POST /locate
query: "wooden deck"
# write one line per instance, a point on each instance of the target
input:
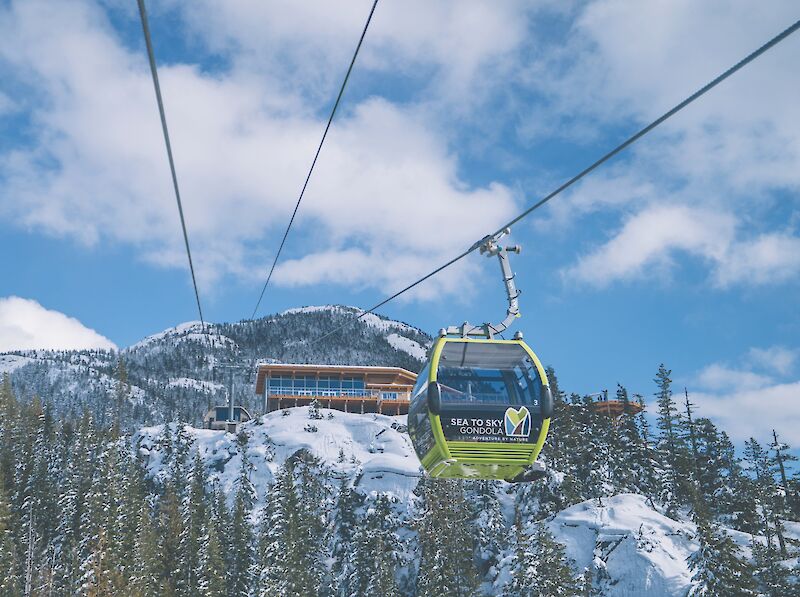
(615, 408)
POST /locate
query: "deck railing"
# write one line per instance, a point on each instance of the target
(367, 394)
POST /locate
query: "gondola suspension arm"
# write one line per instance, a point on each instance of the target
(490, 246)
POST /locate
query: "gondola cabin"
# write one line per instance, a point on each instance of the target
(480, 409)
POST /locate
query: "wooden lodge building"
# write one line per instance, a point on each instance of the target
(355, 389)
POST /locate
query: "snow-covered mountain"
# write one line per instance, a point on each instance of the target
(629, 547)
(176, 373)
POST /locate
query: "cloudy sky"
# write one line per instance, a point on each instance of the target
(685, 250)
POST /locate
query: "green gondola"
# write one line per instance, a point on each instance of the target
(481, 410)
(481, 406)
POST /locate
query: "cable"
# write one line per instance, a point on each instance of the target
(154, 71)
(746, 60)
(316, 155)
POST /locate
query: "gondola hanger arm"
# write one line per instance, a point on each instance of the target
(490, 246)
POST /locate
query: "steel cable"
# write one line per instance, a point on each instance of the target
(629, 141)
(165, 130)
(316, 155)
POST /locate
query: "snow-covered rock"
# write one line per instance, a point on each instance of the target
(373, 448)
(634, 550)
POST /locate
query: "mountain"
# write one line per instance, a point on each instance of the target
(176, 374)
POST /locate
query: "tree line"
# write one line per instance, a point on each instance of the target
(84, 512)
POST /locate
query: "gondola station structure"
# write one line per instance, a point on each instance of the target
(354, 389)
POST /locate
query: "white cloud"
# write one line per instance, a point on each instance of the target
(25, 324)
(387, 183)
(750, 404)
(755, 412)
(775, 358)
(723, 378)
(646, 241)
(449, 44)
(726, 154)
(770, 258)
(388, 195)
(6, 104)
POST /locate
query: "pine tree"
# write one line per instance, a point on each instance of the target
(782, 495)
(241, 557)
(147, 566)
(272, 538)
(648, 466)
(313, 410)
(291, 538)
(539, 566)
(765, 492)
(195, 515)
(736, 498)
(75, 527)
(772, 577)
(213, 557)
(489, 528)
(9, 412)
(380, 527)
(719, 568)
(9, 564)
(170, 530)
(563, 450)
(445, 541)
(669, 447)
(132, 502)
(344, 529)
(122, 391)
(103, 574)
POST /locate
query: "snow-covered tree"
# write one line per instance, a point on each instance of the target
(242, 541)
(669, 447)
(9, 564)
(538, 565)
(719, 569)
(445, 541)
(489, 528)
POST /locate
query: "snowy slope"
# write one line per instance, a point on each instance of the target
(632, 549)
(375, 448)
(10, 362)
(407, 345)
(635, 551)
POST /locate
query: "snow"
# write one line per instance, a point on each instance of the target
(196, 384)
(639, 551)
(370, 319)
(632, 549)
(407, 345)
(181, 328)
(187, 331)
(384, 457)
(314, 309)
(11, 362)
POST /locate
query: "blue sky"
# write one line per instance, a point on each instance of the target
(685, 250)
